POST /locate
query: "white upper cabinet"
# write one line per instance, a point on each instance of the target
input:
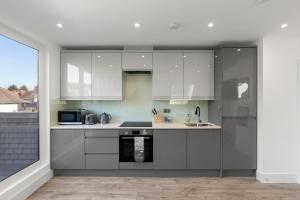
(199, 75)
(106, 76)
(175, 74)
(167, 77)
(75, 75)
(133, 61)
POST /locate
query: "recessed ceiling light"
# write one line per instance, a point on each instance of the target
(284, 26)
(238, 50)
(210, 25)
(175, 25)
(260, 1)
(137, 25)
(98, 56)
(59, 25)
(143, 56)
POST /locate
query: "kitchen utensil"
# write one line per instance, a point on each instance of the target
(168, 119)
(153, 112)
(157, 119)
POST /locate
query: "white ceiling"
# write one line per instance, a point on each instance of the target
(110, 22)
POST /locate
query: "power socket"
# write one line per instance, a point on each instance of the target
(167, 110)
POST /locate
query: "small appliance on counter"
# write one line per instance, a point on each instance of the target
(105, 118)
(69, 117)
(91, 119)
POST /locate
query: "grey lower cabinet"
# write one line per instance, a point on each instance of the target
(101, 149)
(173, 149)
(67, 149)
(239, 144)
(169, 149)
(204, 149)
(101, 145)
(102, 161)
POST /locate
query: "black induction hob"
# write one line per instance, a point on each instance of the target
(136, 124)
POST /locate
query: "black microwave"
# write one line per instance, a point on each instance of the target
(66, 117)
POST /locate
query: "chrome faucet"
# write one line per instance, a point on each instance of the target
(198, 112)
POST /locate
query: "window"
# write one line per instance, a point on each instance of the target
(19, 118)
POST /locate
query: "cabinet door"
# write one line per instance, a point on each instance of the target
(102, 161)
(204, 149)
(67, 149)
(137, 61)
(239, 143)
(101, 145)
(239, 82)
(75, 75)
(169, 149)
(199, 75)
(215, 107)
(167, 75)
(106, 76)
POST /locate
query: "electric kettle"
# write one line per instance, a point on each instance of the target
(105, 118)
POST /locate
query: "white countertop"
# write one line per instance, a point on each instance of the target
(116, 125)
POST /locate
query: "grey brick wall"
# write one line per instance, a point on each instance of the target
(19, 138)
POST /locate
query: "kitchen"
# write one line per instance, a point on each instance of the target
(187, 107)
(182, 85)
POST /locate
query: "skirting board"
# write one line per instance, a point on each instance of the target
(277, 177)
(139, 173)
(28, 185)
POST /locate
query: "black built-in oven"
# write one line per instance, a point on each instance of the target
(127, 145)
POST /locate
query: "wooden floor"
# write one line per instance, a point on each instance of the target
(123, 188)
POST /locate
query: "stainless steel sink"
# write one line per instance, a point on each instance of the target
(192, 124)
(204, 124)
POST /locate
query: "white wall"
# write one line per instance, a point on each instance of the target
(298, 118)
(22, 184)
(278, 136)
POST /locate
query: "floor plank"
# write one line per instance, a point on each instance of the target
(143, 188)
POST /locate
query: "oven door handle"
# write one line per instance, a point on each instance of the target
(126, 138)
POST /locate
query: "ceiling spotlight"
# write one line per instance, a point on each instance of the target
(175, 25)
(260, 1)
(143, 56)
(137, 25)
(59, 25)
(210, 25)
(284, 25)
